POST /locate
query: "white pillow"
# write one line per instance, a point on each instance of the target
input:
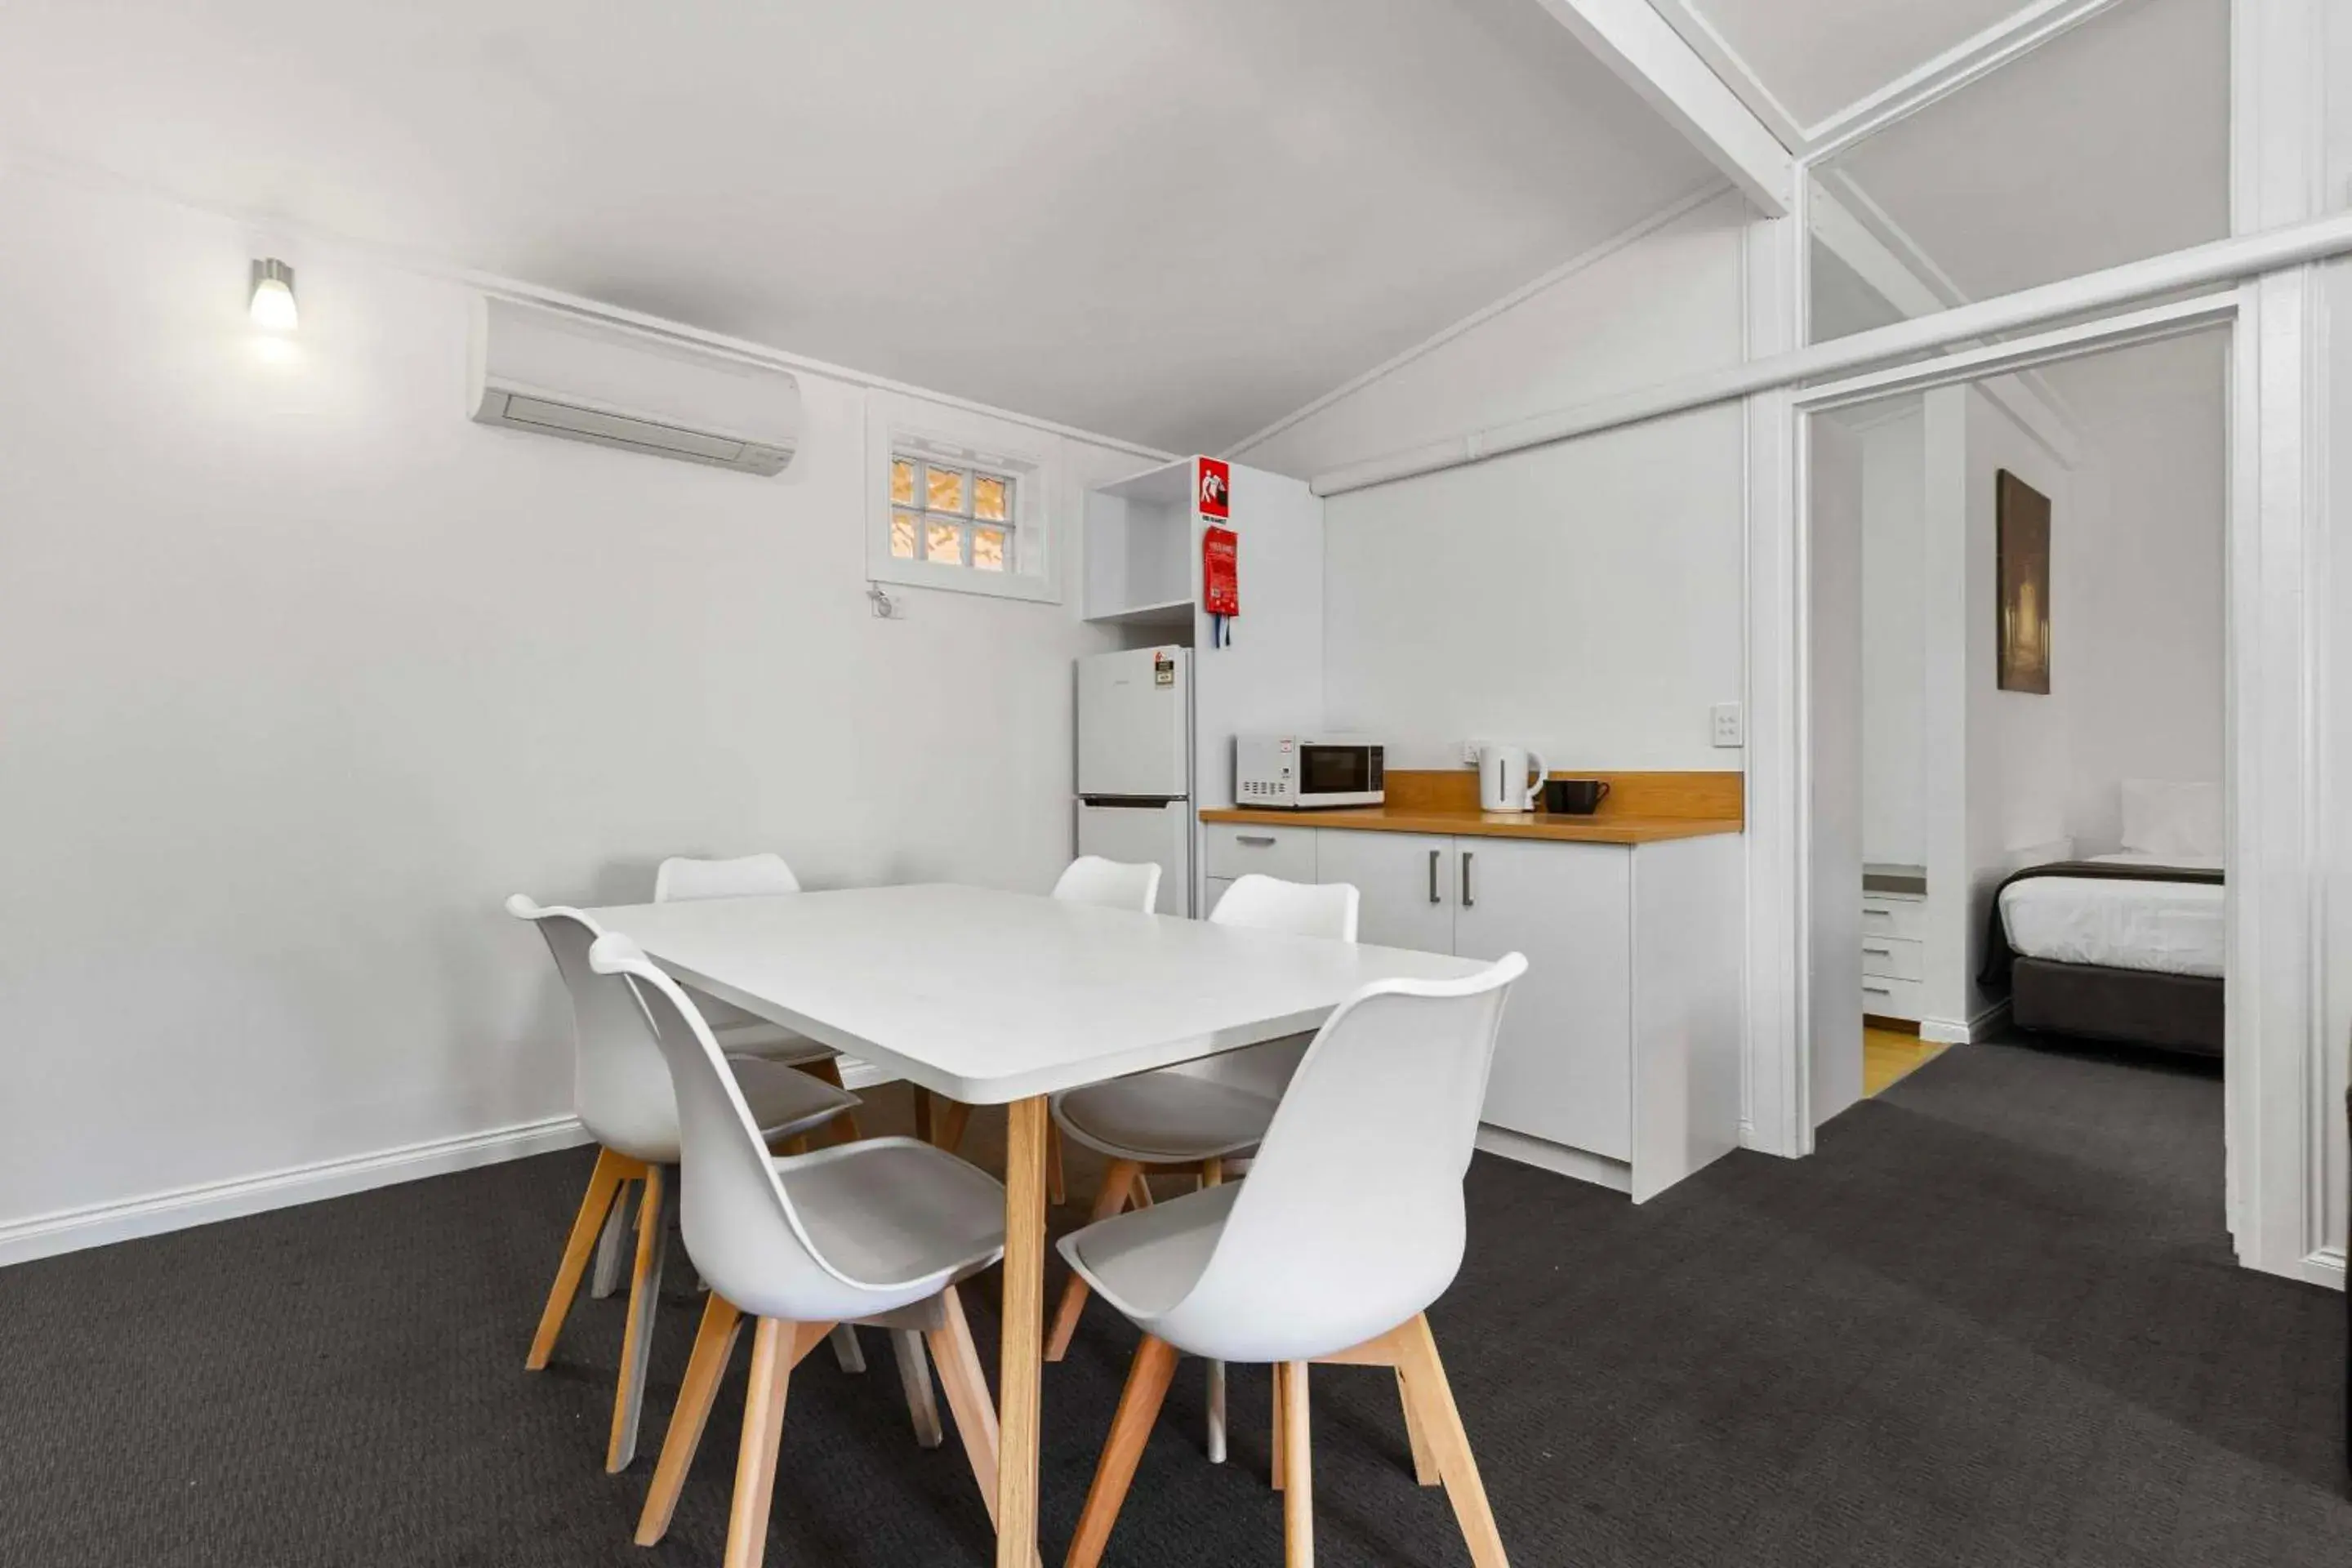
(2174, 820)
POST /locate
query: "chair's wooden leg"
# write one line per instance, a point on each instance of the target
(1139, 1189)
(847, 1351)
(927, 1116)
(845, 1126)
(1212, 1173)
(951, 1125)
(1440, 1422)
(915, 1377)
(613, 1247)
(968, 1397)
(1297, 1472)
(1018, 1381)
(1117, 1183)
(763, 1430)
(603, 1186)
(1424, 1457)
(1055, 1192)
(1130, 1429)
(714, 1342)
(637, 1340)
(1281, 1377)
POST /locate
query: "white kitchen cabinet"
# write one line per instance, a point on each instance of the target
(1563, 1063)
(1619, 1056)
(1405, 881)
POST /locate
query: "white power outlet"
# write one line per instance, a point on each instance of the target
(1730, 728)
(1469, 753)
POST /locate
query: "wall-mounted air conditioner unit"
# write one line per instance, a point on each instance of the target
(559, 374)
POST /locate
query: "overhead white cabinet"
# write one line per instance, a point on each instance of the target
(1618, 1056)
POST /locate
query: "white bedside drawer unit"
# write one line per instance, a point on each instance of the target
(1893, 958)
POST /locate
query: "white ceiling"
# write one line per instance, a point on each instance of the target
(1171, 220)
(2108, 144)
(1817, 57)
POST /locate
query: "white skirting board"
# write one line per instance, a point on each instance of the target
(1944, 1032)
(178, 1208)
(2325, 1267)
(70, 1230)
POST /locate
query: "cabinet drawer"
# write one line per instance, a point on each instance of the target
(1893, 958)
(1883, 915)
(1891, 998)
(1235, 849)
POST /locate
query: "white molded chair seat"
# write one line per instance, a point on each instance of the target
(897, 1215)
(1164, 1117)
(1146, 1262)
(783, 1100)
(743, 877)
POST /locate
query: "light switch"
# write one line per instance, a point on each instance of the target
(1730, 728)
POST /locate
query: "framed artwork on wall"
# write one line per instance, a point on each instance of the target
(2021, 555)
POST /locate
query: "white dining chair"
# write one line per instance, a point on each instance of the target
(679, 879)
(1196, 1115)
(877, 1231)
(1350, 1224)
(622, 1093)
(1089, 879)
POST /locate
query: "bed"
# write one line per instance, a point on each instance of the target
(2128, 946)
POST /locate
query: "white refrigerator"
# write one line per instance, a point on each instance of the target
(1134, 765)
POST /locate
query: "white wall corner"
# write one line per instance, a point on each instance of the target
(2278, 1046)
(1774, 1114)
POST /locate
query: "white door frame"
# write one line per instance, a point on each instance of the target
(2274, 1052)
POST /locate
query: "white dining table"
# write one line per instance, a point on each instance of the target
(997, 998)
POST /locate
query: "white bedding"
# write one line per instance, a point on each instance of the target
(2173, 928)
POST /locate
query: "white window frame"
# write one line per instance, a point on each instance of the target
(903, 427)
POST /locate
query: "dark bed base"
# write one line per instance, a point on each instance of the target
(2177, 1012)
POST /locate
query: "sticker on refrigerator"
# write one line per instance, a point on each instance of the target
(1164, 669)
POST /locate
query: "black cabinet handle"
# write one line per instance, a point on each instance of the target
(1466, 899)
(1433, 876)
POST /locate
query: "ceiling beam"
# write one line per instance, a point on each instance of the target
(1633, 40)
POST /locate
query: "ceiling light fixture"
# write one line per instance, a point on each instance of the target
(273, 296)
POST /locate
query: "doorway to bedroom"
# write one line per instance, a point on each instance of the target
(2017, 669)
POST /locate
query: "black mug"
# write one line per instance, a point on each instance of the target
(1574, 797)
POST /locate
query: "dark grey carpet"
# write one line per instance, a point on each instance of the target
(1995, 1322)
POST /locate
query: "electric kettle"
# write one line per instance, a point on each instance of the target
(1509, 778)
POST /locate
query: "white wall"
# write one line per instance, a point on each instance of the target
(301, 673)
(1585, 597)
(1893, 648)
(2336, 974)
(1837, 553)
(2136, 663)
(2142, 680)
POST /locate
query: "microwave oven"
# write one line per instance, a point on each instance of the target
(1305, 772)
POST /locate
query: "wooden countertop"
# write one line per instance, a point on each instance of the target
(1639, 808)
(1475, 823)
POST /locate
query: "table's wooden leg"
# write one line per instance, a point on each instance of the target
(1024, 1313)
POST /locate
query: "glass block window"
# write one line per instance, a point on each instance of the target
(952, 515)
